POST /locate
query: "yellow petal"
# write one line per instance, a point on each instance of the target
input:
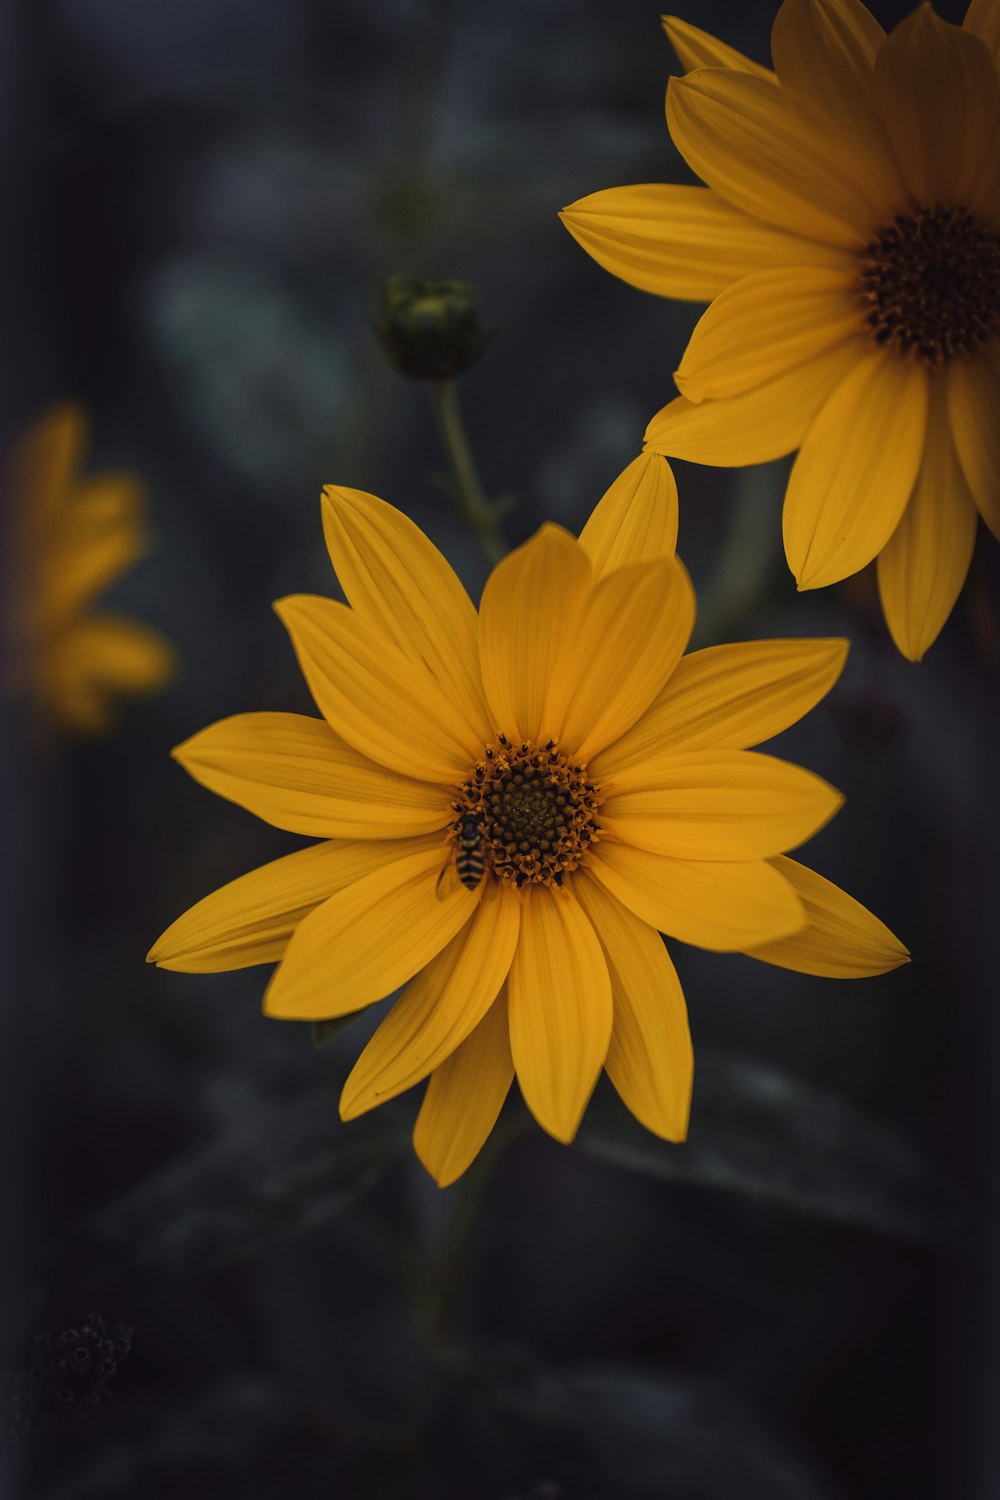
(250, 920)
(117, 653)
(753, 145)
(531, 605)
(973, 403)
(936, 87)
(44, 465)
(560, 1010)
(377, 699)
(464, 1098)
(767, 324)
(679, 241)
(824, 52)
(649, 1061)
(698, 49)
(760, 424)
(726, 804)
(636, 519)
(636, 625)
(856, 470)
(842, 940)
(983, 19)
(399, 583)
(366, 940)
(728, 698)
(298, 774)
(99, 657)
(922, 567)
(99, 536)
(440, 1007)
(712, 904)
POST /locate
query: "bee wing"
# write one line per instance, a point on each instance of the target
(448, 881)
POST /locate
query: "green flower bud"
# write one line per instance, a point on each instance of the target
(431, 330)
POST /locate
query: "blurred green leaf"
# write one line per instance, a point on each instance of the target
(288, 1167)
(759, 1131)
(661, 1436)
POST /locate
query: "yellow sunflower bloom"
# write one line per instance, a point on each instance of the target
(849, 242)
(513, 805)
(70, 538)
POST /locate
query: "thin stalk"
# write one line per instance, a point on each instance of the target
(482, 515)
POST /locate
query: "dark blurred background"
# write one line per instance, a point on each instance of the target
(201, 200)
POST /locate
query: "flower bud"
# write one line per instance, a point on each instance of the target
(431, 330)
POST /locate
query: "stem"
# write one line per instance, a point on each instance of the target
(480, 513)
(743, 570)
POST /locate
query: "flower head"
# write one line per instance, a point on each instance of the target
(849, 242)
(514, 804)
(70, 539)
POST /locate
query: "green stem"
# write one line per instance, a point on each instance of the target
(480, 513)
(744, 566)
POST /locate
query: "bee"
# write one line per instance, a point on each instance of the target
(469, 865)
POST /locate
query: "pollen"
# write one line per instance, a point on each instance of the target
(930, 285)
(537, 811)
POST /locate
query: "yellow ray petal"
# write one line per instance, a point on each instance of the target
(973, 403)
(464, 1098)
(368, 939)
(760, 424)
(698, 49)
(726, 804)
(44, 465)
(531, 605)
(397, 580)
(377, 699)
(728, 698)
(99, 536)
(767, 324)
(824, 52)
(100, 657)
(679, 241)
(936, 87)
(649, 1061)
(636, 518)
(298, 774)
(983, 19)
(636, 625)
(250, 920)
(856, 471)
(712, 904)
(753, 145)
(922, 567)
(842, 941)
(440, 1007)
(560, 1010)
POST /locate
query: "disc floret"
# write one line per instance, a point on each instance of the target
(930, 284)
(537, 811)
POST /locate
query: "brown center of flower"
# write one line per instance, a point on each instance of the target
(930, 284)
(535, 810)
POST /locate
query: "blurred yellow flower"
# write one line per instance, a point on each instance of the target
(850, 238)
(514, 804)
(70, 538)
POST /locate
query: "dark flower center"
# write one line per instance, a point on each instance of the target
(536, 811)
(930, 284)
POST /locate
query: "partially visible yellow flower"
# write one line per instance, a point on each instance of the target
(556, 752)
(70, 538)
(850, 238)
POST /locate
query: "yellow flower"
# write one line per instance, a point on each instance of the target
(558, 739)
(69, 540)
(850, 238)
